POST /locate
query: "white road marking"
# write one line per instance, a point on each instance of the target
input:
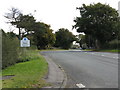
(102, 55)
(115, 57)
(80, 85)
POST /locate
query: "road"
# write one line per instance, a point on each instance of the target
(91, 69)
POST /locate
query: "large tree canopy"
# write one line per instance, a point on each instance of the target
(64, 38)
(26, 23)
(40, 33)
(43, 36)
(98, 20)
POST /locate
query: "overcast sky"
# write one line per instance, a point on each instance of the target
(57, 13)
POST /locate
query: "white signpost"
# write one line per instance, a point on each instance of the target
(25, 42)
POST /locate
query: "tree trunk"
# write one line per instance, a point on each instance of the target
(19, 34)
(97, 44)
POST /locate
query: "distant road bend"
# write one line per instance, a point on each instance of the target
(91, 69)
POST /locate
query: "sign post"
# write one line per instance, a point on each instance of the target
(24, 43)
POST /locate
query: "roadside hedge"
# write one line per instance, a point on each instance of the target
(10, 49)
(114, 44)
(12, 53)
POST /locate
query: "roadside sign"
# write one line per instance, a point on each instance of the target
(25, 42)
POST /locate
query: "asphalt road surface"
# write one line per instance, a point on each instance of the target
(91, 69)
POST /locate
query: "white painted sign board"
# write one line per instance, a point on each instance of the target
(25, 42)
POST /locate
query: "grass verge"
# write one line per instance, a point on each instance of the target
(52, 49)
(104, 50)
(27, 74)
(109, 50)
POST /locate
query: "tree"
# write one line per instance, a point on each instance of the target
(64, 38)
(99, 21)
(40, 33)
(25, 22)
(85, 40)
(43, 36)
(13, 16)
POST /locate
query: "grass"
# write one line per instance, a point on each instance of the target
(0, 80)
(27, 74)
(108, 50)
(88, 50)
(104, 50)
(52, 49)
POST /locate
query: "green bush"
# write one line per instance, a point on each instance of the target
(114, 44)
(12, 53)
(10, 49)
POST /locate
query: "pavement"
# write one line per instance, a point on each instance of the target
(56, 75)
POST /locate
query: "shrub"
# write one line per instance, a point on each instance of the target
(10, 49)
(114, 44)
